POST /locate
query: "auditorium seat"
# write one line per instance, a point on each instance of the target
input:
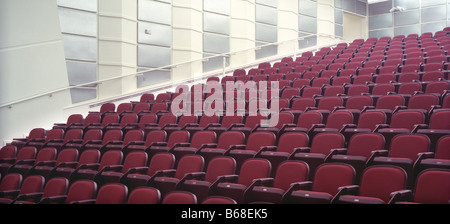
(200, 139)
(27, 158)
(112, 193)
(431, 187)
(404, 151)
(329, 177)
(46, 168)
(139, 176)
(144, 195)
(199, 182)
(167, 180)
(36, 134)
(51, 135)
(54, 187)
(176, 138)
(113, 173)
(439, 158)
(179, 197)
(31, 184)
(287, 144)
(79, 191)
(89, 171)
(66, 169)
(234, 186)
(321, 147)
(255, 142)
(225, 143)
(376, 186)
(271, 190)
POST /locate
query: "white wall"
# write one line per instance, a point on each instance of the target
(31, 62)
(355, 27)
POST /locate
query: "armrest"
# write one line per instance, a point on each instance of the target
(90, 201)
(170, 126)
(290, 126)
(380, 126)
(299, 150)
(190, 125)
(46, 163)
(159, 144)
(8, 160)
(20, 139)
(233, 147)
(266, 148)
(419, 126)
(421, 156)
(68, 164)
(209, 145)
(12, 193)
(237, 125)
(401, 195)
(258, 182)
(93, 166)
(345, 126)
(140, 170)
(136, 143)
(58, 199)
(162, 173)
(335, 152)
(213, 125)
(190, 176)
(365, 108)
(221, 179)
(115, 168)
(310, 108)
(97, 142)
(304, 185)
(317, 126)
(34, 196)
(25, 162)
(345, 190)
(376, 153)
(55, 141)
(338, 108)
(397, 108)
(74, 141)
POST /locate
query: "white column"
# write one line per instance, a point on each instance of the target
(325, 22)
(32, 63)
(117, 41)
(187, 41)
(287, 26)
(242, 31)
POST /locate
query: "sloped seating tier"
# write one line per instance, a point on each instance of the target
(356, 110)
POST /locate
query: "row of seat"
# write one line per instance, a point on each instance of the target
(144, 144)
(14, 189)
(316, 146)
(332, 183)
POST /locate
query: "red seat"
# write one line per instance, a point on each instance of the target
(139, 176)
(329, 177)
(199, 182)
(271, 190)
(31, 184)
(167, 180)
(321, 146)
(179, 197)
(376, 186)
(144, 195)
(431, 188)
(57, 186)
(234, 186)
(80, 190)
